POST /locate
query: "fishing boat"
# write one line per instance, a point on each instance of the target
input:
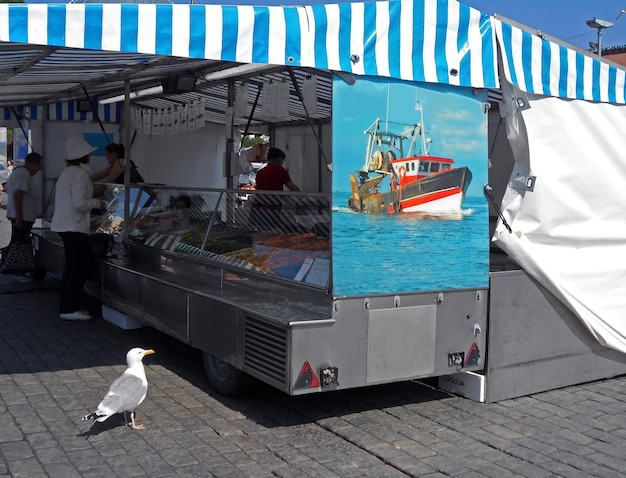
(399, 175)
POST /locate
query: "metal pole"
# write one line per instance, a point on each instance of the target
(126, 142)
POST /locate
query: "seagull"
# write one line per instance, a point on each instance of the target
(126, 392)
(621, 13)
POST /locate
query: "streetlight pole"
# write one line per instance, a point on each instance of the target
(599, 25)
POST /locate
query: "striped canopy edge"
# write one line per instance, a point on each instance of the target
(111, 113)
(540, 66)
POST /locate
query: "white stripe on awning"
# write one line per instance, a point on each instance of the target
(536, 65)
(437, 41)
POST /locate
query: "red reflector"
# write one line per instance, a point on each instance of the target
(307, 377)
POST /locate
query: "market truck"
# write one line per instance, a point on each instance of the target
(461, 180)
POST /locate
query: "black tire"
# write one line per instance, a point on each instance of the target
(225, 378)
(39, 274)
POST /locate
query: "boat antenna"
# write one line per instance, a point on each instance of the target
(387, 112)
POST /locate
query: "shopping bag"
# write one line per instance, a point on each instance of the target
(18, 257)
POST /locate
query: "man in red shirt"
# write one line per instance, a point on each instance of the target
(266, 207)
(273, 176)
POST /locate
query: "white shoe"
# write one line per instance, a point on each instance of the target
(78, 315)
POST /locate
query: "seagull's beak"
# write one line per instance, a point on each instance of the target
(149, 352)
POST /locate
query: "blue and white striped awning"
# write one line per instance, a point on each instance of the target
(437, 41)
(111, 113)
(536, 65)
(425, 40)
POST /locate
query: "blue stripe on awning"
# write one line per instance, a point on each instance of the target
(93, 17)
(394, 39)
(418, 42)
(230, 29)
(369, 39)
(345, 18)
(461, 41)
(320, 52)
(563, 72)
(489, 51)
(441, 32)
(130, 18)
(545, 67)
(261, 34)
(164, 38)
(197, 31)
(580, 75)
(293, 46)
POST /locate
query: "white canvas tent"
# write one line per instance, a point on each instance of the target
(564, 108)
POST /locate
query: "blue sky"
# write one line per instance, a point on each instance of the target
(564, 19)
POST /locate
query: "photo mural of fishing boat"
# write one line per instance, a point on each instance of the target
(410, 161)
(417, 182)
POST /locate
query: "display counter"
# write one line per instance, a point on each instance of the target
(278, 235)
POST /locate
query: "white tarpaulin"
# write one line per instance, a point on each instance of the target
(566, 204)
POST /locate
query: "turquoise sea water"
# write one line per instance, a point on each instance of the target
(409, 252)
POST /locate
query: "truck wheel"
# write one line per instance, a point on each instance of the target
(39, 274)
(225, 378)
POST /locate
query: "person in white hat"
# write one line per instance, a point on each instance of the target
(72, 207)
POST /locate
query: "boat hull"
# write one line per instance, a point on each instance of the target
(437, 194)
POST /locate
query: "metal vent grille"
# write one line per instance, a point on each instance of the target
(265, 351)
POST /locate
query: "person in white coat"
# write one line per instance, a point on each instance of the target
(72, 207)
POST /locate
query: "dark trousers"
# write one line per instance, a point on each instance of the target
(77, 263)
(22, 234)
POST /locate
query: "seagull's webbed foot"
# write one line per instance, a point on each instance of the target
(132, 423)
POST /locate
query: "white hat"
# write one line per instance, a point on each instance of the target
(76, 147)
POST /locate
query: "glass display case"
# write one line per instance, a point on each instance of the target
(279, 234)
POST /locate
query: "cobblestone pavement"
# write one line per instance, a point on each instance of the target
(53, 372)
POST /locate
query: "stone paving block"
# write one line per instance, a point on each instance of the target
(103, 472)
(562, 469)
(61, 470)
(222, 446)
(565, 444)
(576, 461)
(411, 465)
(289, 454)
(177, 457)
(86, 458)
(528, 455)
(537, 445)
(603, 472)
(384, 451)
(28, 467)
(125, 466)
(422, 437)
(445, 465)
(195, 471)
(154, 465)
(413, 448)
(17, 450)
(9, 431)
(314, 469)
(360, 438)
(502, 431)
(51, 455)
(608, 457)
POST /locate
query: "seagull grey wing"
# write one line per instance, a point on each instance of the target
(124, 395)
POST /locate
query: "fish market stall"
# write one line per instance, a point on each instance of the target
(430, 238)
